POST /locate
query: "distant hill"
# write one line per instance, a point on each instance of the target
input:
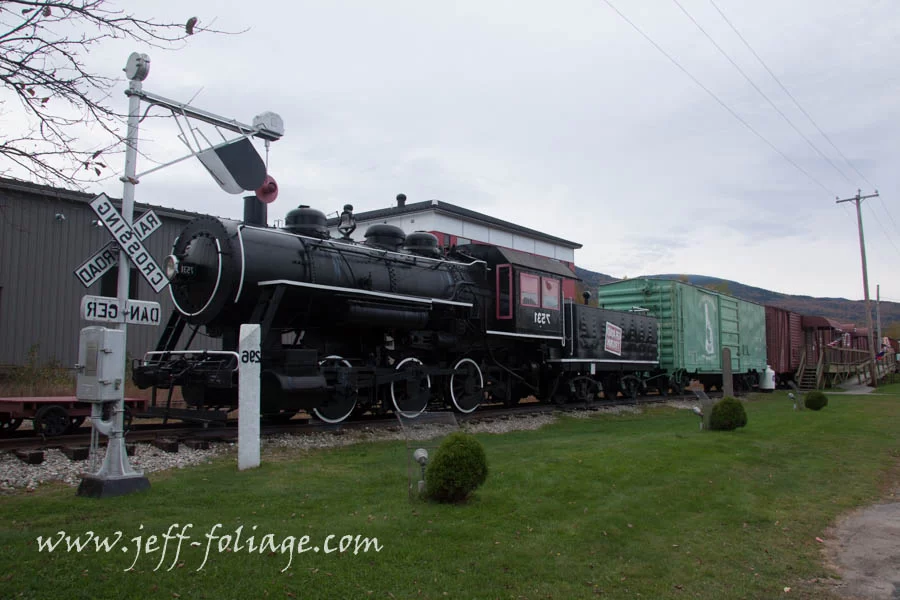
(841, 309)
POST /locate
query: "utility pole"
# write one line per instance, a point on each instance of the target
(862, 250)
(878, 312)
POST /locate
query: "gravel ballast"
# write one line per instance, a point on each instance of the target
(15, 475)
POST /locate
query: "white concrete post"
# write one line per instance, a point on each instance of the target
(248, 397)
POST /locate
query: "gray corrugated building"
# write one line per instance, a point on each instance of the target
(45, 234)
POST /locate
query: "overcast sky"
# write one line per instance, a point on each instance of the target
(563, 118)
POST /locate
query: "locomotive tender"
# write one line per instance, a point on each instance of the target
(390, 324)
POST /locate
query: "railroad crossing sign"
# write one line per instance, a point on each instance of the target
(129, 240)
(108, 256)
(136, 312)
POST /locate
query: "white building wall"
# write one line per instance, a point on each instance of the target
(545, 249)
(451, 225)
(448, 224)
(523, 243)
(474, 231)
(501, 238)
(566, 254)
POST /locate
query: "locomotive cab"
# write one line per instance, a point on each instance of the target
(527, 293)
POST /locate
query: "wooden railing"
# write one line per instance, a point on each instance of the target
(836, 365)
(820, 367)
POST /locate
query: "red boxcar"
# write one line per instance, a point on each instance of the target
(784, 341)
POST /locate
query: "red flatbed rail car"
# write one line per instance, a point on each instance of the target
(52, 415)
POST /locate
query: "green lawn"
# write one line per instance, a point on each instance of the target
(616, 506)
(888, 388)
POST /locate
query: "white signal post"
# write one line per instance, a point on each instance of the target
(248, 396)
(116, 476)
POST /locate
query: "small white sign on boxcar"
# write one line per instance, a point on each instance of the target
(613, 342)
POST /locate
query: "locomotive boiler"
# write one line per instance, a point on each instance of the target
(345, 325)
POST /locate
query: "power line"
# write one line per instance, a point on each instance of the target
(791, 96)
(761, 93)
(884, 230)
(716, 98)
(865, 273)
(796, 103)
(884, 206)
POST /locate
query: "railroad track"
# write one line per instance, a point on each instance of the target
(25, 440)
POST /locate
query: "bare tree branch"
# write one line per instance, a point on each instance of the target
(42, 67)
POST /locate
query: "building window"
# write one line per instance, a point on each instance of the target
(529, 290)
(550, 293)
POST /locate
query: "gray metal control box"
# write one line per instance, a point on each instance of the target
(101, 364)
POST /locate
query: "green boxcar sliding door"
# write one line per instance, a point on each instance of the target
(701, 342)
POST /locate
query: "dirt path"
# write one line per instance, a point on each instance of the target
(864, 547)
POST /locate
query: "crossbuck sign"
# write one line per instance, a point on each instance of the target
(107, 257)
(129, 240)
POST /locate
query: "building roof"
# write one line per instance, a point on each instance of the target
(456, 211)
(26, 187)
(815, 322)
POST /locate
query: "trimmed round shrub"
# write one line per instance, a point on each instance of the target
(727, 414)
(458, 467)
(816, 400)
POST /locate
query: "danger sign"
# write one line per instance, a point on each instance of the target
(136, 312)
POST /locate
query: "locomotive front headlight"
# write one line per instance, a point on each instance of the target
(170, 267)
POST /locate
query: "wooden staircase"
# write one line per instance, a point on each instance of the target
(812, 377)
(806, 380)
(809, 376)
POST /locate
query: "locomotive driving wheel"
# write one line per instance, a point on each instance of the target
(467, 388)
(342, 401)
(410, 396)
(583, 389)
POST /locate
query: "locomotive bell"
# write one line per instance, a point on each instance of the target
(307, 221)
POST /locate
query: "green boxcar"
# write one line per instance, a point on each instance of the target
(695, 324)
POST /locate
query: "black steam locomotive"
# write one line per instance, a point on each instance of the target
(394, 323)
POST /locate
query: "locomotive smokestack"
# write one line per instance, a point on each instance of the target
(586, 295)
(401, 200)
(255, 212)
